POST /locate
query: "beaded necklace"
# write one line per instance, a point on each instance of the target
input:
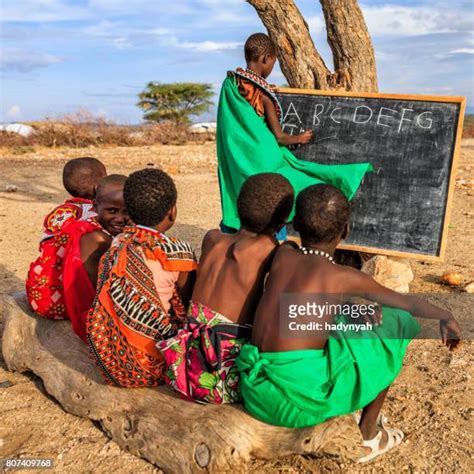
(306, 251)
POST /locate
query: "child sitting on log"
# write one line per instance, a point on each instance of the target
(250, 139)
(200, 359)
(298, 376)
(144, 285)
(44, 286)
(84, 244)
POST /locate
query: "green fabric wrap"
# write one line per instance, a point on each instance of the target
(246, 146)
(306, 387)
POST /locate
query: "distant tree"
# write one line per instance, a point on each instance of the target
(174, 102)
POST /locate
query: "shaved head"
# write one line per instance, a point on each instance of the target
(81, 176)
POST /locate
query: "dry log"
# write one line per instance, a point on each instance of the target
(155, 424)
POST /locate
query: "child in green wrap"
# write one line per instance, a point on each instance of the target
(303, 378)
(250, 139)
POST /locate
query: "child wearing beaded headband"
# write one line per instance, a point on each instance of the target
(302, 377)
(250, 139)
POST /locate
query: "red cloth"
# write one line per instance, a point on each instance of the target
(79, 292)
(44, 285)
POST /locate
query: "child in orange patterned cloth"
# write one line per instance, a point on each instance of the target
(44, 286)
(144, 286)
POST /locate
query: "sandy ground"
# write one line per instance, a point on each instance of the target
(431, 401)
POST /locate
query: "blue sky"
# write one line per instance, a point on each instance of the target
(59, 56)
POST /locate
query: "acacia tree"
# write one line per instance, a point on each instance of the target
(174, 102)
(300, 62)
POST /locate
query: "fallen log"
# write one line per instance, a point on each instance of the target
(155, 424)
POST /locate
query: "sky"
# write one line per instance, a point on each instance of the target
(61, 56)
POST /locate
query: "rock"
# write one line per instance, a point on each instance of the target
(5, 384)
(469, 287)
(11, 188)
(394, 273)
(155, 424)
(452, 279)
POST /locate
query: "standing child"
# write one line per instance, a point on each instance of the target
(144, 286)
(44, 286)
(85, 243)
(305, 378)
(250, 139)
(200, 359)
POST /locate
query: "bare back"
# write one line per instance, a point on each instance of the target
(293, 272)
(231, 273)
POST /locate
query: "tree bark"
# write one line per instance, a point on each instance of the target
(300, 62)
(352, 50)
(173, 434)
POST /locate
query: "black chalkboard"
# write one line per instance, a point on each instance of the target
(402, 208)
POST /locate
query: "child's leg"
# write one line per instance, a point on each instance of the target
(370, 413)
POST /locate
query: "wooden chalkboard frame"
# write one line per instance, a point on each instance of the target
(453, 171)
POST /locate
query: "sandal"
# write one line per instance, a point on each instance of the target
(395, 437)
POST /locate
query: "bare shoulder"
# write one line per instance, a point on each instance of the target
(95, 238)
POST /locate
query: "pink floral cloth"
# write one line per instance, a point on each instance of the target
(200, 358)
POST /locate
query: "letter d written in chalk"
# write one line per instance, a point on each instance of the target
(365, 120)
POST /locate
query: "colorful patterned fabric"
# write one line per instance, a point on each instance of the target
(200, 358)
(128, 317)
(44, 284)
(252, 87)
(77, 209)
(79, 291)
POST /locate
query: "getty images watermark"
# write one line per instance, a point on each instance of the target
(319, 315)
(306, 315)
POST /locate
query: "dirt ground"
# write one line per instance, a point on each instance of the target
(431, 401)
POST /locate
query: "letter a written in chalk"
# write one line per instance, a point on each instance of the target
(291, 112)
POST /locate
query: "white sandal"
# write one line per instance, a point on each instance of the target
(381, 419)
(395, 437)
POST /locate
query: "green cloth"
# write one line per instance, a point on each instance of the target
(305, 387)
(246, 146)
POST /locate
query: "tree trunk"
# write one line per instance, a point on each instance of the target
(352, 50)
(300, 62)
(173, 434)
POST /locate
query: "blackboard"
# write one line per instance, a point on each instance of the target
(402, 208)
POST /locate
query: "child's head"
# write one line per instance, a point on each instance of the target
(322, 214)
(110, 205)
(150, 196)
(265, 202)
(81, 176)
(260, 53)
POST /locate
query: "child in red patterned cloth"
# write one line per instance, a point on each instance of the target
(86, 242)
(232, 269)
(44, 286)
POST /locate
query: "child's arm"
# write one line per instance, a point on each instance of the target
(93, 246)
(363, 285)
(185, 285)
(274, 124)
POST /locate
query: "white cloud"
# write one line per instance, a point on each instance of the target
(14, 112)
(205, 46)
(22, 60)
(398, 20)
(462, 51)
(121, 36)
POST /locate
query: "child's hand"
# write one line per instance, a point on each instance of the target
(306, 137)
(450, 333)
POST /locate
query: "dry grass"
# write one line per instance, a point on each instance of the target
(468, 128)
(82, 130)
